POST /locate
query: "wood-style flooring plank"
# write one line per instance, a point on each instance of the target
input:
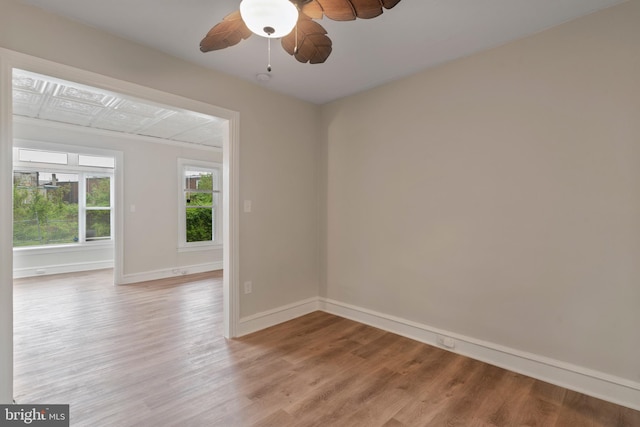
(152, 354)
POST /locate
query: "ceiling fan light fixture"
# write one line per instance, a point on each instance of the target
(269, 18)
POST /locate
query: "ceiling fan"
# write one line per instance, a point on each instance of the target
(293, 22)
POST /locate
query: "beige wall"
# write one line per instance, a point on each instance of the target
(498, 196)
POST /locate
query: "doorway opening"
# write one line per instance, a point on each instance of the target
(128, 202)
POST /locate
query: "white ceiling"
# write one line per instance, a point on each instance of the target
(414, 35)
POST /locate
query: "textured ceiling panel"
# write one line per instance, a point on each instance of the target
(27, 95)
(200, 135)
(142, 109)
(45, 98)
(126, 122)
(176, 123)
(82, 96)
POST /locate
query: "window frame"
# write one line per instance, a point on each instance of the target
(217, 224)
(72, 167)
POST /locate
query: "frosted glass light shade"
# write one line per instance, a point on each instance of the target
(269, 18)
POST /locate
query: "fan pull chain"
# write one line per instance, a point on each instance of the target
(268, 31)
(269, 54)
(295, 49)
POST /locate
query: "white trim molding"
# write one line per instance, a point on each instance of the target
(593, 383)
(20, 273)
(231, 230)
(145, 276)
(6, 233)
(266, 319)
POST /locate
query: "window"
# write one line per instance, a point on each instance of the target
(200, 196)
(59, 204)
(97, 207)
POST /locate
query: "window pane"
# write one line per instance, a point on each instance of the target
(97, 161)
(199, 180)
(45, 208)
(199, 225)
(198, 199)
(25, 180)
(98, 225)
(42, 156)
(98, 191)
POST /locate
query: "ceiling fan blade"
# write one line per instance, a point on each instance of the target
(388, 4)
(312, 9)
(314, 46)
(338, 10)
(367, 9)
(231, 31)
(348, 10)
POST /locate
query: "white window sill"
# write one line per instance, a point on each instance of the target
(71, 247)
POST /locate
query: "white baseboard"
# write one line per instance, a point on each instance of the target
(128, 279)
(19, 273)
(593, 383)
(265, 319)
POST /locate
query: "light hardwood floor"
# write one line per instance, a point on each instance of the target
(152, 354)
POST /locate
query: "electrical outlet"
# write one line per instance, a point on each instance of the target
(446, 342)
(248, 287)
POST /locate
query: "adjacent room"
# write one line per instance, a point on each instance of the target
(434, 222)
(90, 163)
